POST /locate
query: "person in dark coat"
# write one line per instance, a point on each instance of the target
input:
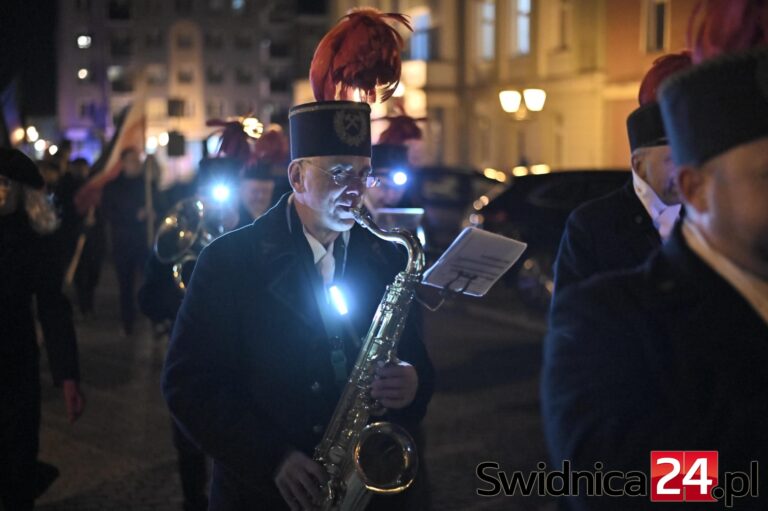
(672, 355)
(626, 226)
(25, 217)
(255, 191)
(124, 206)
(249, 373)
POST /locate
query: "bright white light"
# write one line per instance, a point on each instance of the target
(540, 169)
(162, 139)
(151, 145)
(18, 135)
(252, 127)
(510, 100)
(83, 41)
(399, 91)
(399, 178)
(82, 73)
(53, 149)
(534, 99)
(338, 300)
(520, 171)
(32, 134)
(40, 145)
(490, 173)
(421, 235)
(221, 193)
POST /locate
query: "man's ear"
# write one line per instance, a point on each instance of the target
(295, 177)
(692, 182)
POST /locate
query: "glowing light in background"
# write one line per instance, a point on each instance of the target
(540, 169)
(221, 193)
(337, 298)
(40, 145)
(534, 99)
(510, 100)
(83, 41)
(162, 139)
(520, 171)
(82, 73)
(53, 149)
(399, 178)
(32, 134)
(252, 127)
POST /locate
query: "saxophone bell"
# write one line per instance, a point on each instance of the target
(385, 458)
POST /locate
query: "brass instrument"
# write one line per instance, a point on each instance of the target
(380, 457)
(180, 238)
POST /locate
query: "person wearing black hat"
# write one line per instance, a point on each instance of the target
(626, 226)
(256, 362)
(255, 192)
(26, 215)
(672, 355)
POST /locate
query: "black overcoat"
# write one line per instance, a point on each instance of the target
(667, 356)
(248, 374)
(613, 232)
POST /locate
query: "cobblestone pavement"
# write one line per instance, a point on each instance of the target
(119, 455)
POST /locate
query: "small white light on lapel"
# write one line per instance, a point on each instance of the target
(337, 298)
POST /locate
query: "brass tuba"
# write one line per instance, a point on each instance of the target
(380, 457)
(180, 238)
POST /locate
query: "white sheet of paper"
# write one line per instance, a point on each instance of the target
(476, 259)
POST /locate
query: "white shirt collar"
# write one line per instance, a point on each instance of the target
(752, 288)
(662, 215)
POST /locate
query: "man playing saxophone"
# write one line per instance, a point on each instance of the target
(259, 356)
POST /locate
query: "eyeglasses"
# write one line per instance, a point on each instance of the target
(343, 176)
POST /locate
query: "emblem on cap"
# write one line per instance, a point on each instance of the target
(351, 126)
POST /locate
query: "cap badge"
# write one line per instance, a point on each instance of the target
(351, 127)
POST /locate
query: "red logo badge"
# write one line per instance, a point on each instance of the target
(683, 476)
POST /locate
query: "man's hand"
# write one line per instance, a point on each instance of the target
(73, 399)
(395, 385)
(299, 479)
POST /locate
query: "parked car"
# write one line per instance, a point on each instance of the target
(447, 195)
(534, 209)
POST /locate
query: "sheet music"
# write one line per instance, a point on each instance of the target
(474, 262)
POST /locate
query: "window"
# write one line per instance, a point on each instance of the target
(486, 34)
(84, 41)
(279, 50)
(120, 79)
(119, 9)
(185, 42)
(176, 107)
(185, 76)
(214, 40)
(243, 42)
(183, 6)
(154, 38)
(243, 76)
(279, 85)
(157, 75)
(244, 108)
(120, 45)
(215, 108)
(214, 75)
(520, 24)
(657, 14)
(419, 48)
(89, 109)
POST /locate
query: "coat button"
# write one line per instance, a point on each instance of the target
(318, 429)
(315, 387)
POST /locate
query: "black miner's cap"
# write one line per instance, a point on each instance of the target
(716, 106)
(645, 127)
(17, 166)
(330, 128)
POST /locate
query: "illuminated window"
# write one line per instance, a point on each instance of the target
(520, 25)
(83, 41)
(486, 40)
(657, 15)
(420, 38)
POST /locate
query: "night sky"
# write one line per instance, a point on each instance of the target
(27, 36)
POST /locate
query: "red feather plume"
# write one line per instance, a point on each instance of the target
(663, 67)
(401, 129)
(234, 139)
(271, 147)
(362, 52)
(727, 26)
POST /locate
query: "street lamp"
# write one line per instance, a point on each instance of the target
(519, 105)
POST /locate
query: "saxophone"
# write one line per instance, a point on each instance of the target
(380, 457)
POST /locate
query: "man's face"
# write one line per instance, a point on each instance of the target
(256, 194)
(654, 165)
(10, 192)
(730, 204)
(131, 163)
(332, 202)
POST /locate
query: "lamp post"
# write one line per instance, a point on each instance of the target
(520, 105)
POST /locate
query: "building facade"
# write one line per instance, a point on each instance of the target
(587, 55)
(189, 61)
